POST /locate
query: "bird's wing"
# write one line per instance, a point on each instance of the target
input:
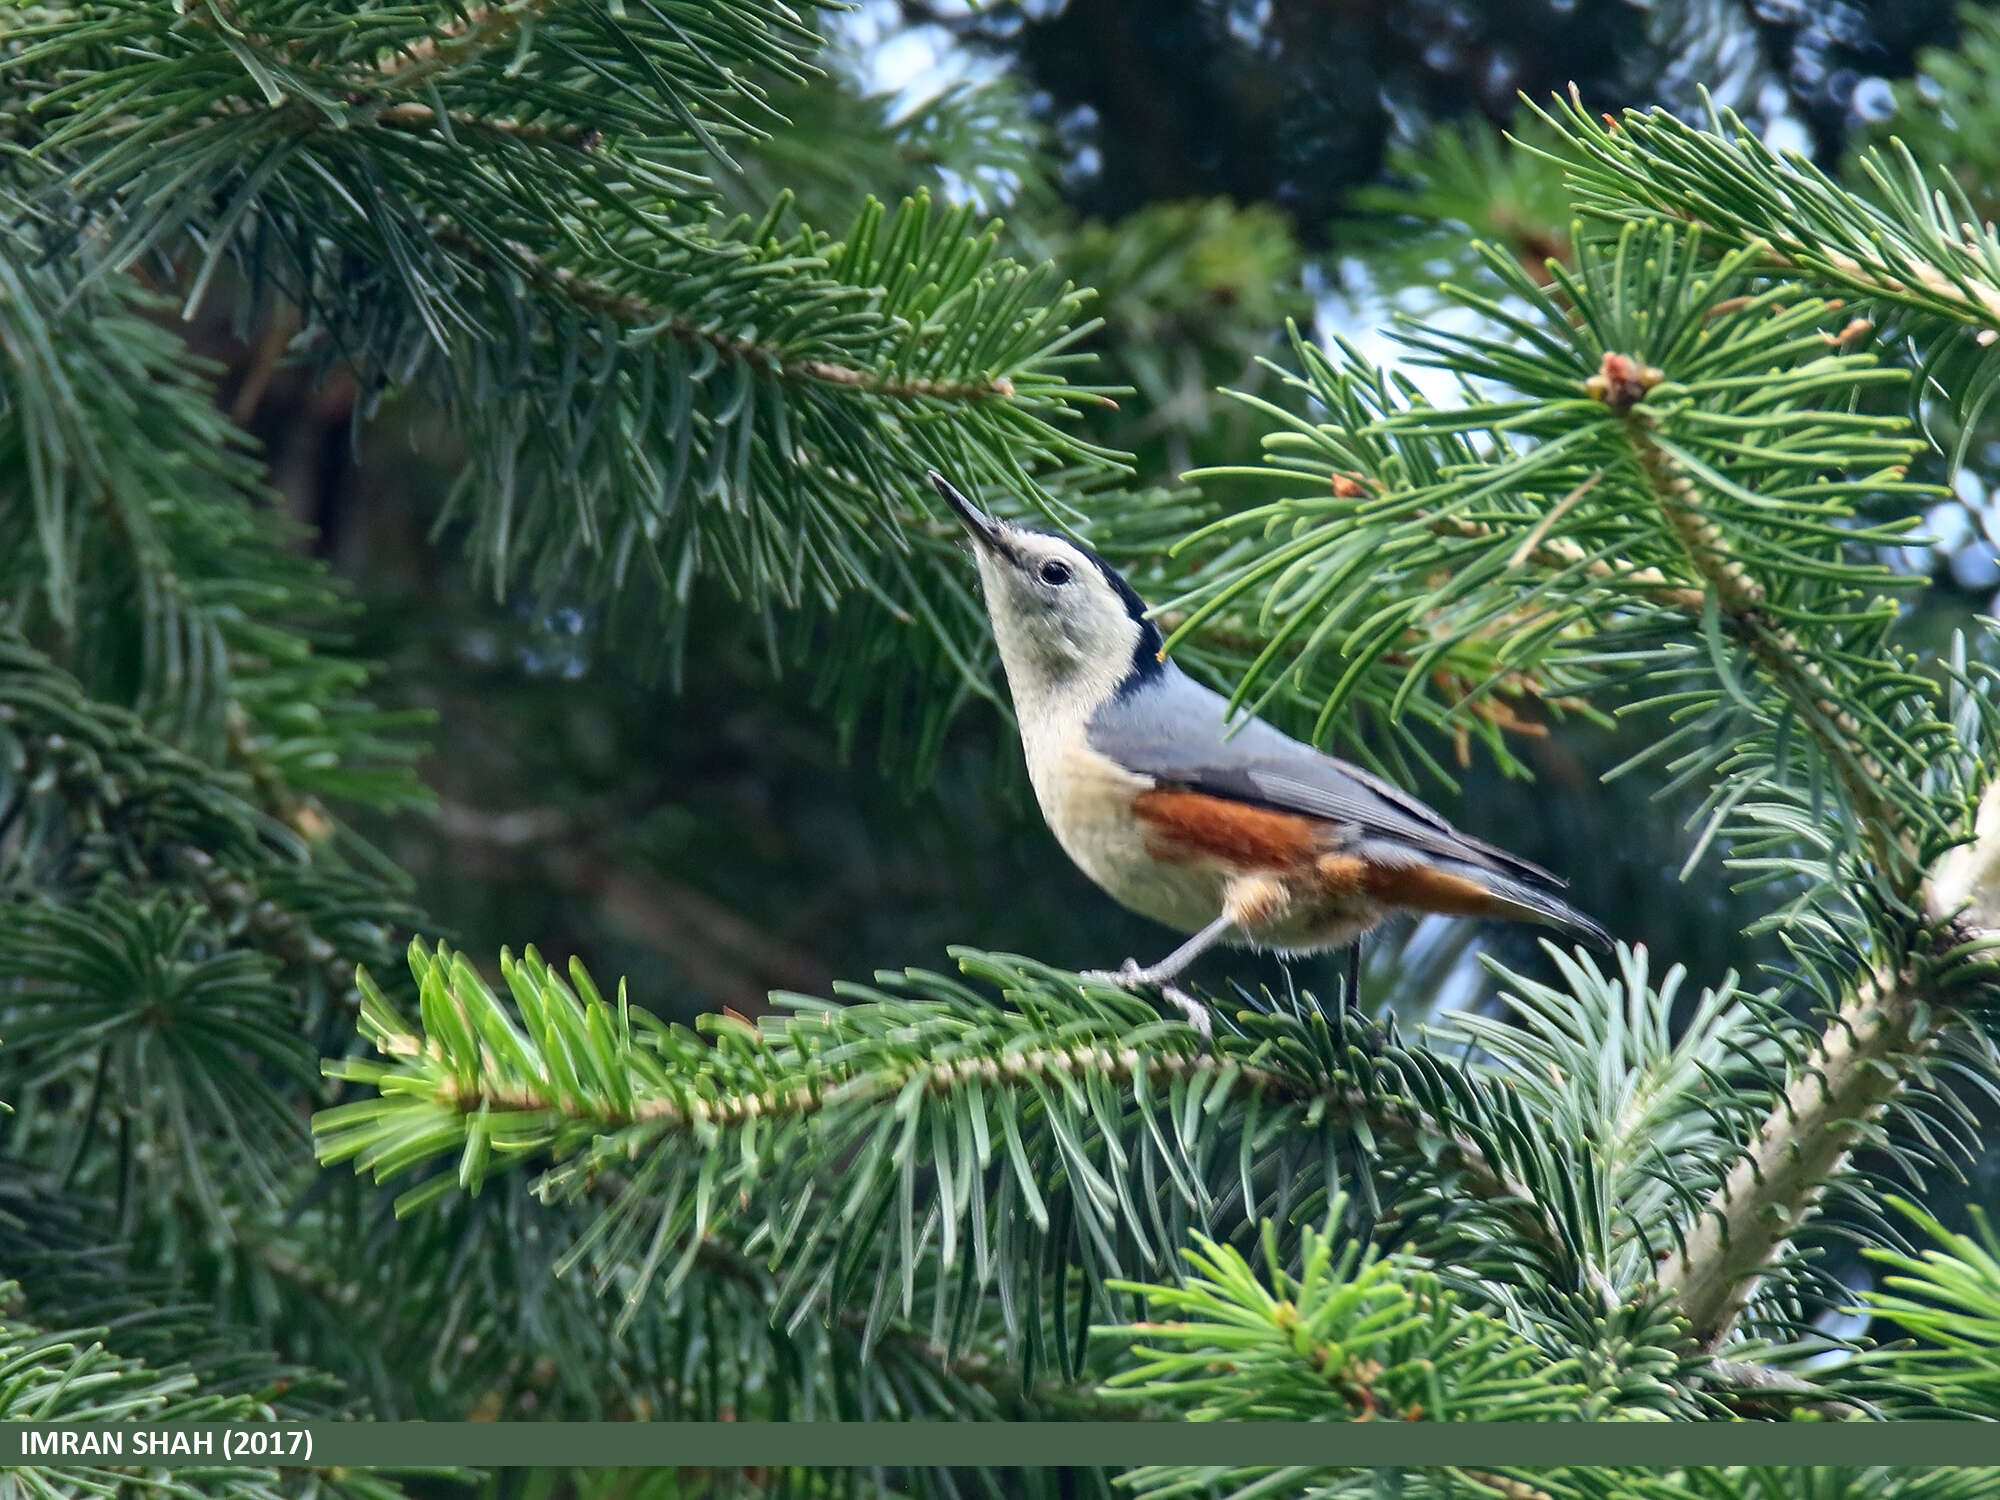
(1176, 731)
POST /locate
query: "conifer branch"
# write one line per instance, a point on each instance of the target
(1622, 384)
(1392, 1120)
(1755, 544)
(1561, 555)
(1947, 1295)
(178, 821)
(754, 402)
(1777, 1391)
(1868, 1053)
(1001, 1379)
(1918, 246)
(636, 312)
(1874, 1043)
(1554, 554)
(423, 118)
(481, 30)
(922, 1194)
(1862, 1061)
(1371, 1338)
(815, 1085)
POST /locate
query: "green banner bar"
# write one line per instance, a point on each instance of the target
(1006, 1445)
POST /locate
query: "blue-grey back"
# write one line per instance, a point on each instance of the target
(1177, 731)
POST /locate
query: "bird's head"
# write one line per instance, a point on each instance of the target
(1067, 623)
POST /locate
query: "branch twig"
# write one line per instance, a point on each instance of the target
(484, 29)
(1741, 599)
(1865, 1055)
(422, 118)
(636, 312)
(1779, 1390)
(1561, 554)
(1390, 1119)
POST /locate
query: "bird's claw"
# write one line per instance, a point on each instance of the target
(1127, 975)
(1131, 976)
(1196, 1013)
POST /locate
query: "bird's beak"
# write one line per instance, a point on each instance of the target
(985, 530)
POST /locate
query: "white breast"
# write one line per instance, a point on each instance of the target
(1087, 800)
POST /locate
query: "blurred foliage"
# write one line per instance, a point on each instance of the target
(1941, 113)
(1948, 1295)
(1296, 103)
(1503, 188)
(1945, 117)
(1288, 104)
(1192, 295)
(833, 148)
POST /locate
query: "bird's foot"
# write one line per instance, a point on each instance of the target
(1196, 1013)
(1127, 976)
(1131, 976)
(1363, 1033)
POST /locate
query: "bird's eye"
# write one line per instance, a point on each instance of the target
(1055, 573)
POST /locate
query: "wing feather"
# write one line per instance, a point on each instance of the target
(1177, 731)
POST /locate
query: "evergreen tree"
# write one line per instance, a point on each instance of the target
(1662, 509)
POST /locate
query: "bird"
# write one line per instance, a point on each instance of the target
(1230, 831)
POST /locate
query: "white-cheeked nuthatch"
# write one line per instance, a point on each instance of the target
(1233, 832)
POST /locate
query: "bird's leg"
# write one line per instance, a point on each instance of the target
(1163, 974)
(1357, 1027)
(1175, 963)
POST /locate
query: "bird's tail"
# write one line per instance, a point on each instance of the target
(1519, 901)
